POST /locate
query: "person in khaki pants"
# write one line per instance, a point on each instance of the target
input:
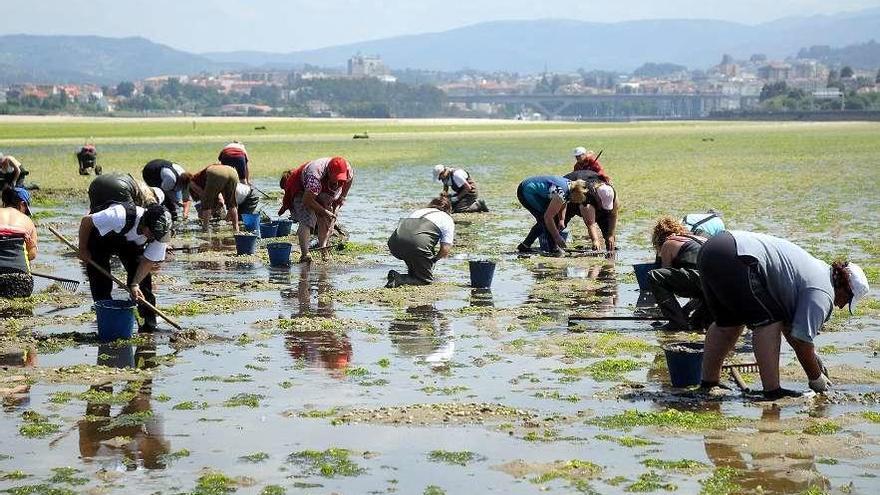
(208, 185)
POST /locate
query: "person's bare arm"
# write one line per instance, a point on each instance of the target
(588, 213)
(30, 242)
(556, 205)
(444, 251)
(610, 237)
(312, 203)
(345, 189)
(668, 252)
(145, 267)
(17, 172)
(85, 231)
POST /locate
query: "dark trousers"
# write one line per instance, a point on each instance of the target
(667, 283)
(538, 228)
(466, 203)
(129, 253)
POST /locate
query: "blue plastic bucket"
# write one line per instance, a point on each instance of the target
(251, 221)
(279, 253)
(283, 227)
(544, 239)
(115, 319)
(269, 229)
(245, 243)
(642, 270)
(685, 363)
(482, 273)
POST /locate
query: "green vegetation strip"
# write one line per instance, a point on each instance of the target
(329, 463)
(670, 418)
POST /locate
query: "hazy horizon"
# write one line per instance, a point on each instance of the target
(244, 25)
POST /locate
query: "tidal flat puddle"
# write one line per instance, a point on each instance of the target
(314, 379)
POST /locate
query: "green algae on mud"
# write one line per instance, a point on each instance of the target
(669, 418)
(603, 370)
(576, 473)
(459, 458)
(217, 305)
(329, 463)
(408, 295)
(36, 425)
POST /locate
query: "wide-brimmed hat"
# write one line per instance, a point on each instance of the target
(438, 169)
(580, 150)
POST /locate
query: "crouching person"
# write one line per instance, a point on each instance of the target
(138, 236)
(416, 239)
(775, 288)
(678, 250)
(18, 244)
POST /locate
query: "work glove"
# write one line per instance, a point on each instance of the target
(820, 384)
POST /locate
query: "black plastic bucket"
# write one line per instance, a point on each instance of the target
(482, 272)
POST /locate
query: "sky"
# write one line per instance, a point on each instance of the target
(292, 25)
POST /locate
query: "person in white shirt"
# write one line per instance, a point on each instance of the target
(169, 177)
(464, 189)
(138, 236)
(416, 240)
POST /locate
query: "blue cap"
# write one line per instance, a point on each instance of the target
(24, 195)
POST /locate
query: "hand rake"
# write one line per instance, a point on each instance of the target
(65, 283)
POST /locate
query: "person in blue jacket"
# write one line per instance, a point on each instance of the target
(546, 198)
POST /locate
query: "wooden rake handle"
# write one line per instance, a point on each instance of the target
(112, 277)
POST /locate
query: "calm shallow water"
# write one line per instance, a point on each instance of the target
(420, 353)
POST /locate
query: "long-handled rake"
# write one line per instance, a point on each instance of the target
(120, 283)
(65, 283)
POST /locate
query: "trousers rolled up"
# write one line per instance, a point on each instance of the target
(101, 249)
(414, 242)
(667, 283)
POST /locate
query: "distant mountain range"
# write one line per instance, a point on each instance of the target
(515, 46)
(92, 59)
(561, 45)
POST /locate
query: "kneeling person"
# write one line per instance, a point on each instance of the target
(415, 242)
(464, 189)
(138, 236)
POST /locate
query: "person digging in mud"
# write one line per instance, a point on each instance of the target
(774, 287)
(18, 244)
(464, 190)
(546, 198)
(168, 177)
(677, 250)
(120, 188)
(599, 210)
(12, 172)
(587, 160)
(247, 199)
(416, 240)
(87, 157)
(208, 185)
(137, 235)
(314, 193)
(235, 155)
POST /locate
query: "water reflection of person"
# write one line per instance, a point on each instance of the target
(607, 292)
(329, 349)
(15, 389)
(772, 471)
(143, 442)
(423, 333)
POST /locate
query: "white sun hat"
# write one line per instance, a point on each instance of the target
(858, 284)
(438, 169)
(580, 150)
(606, 196)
